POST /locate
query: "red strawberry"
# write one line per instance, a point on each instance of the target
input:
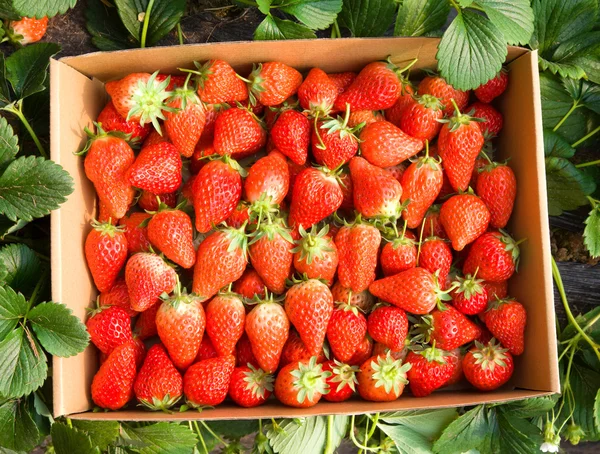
(364, 118)
(268, 178)
(436, 257)
(345, 181)
(104, 215)
(272, 83)
(150, 202)
(495, 290)
(317, 93)
(225, 321)
(158, 385)
(358, 248)
(155, 137)
(342, 80)
(388, 325)
(105, 253)
(430, 370)
(239, 216)
(470, 297)
(431, 223)
(291, 135)
(364, 351)
(497, 187)
(117, 296)
(112, 386)
(506, 320)
(334, 142)
(438, 87)
(342, 381)
(185, 125)
(382, 350)
(148, 276)
(382, 378)
(271, 255)
(135, 233)
(295, 351)
(385, 145)
(27, 30)
(206, 350)
(206, 383)
(493, 119)
(420, 118)
(157, 169)
(346, 330)
(172, 233)
(174, 80)
(399, 254)
(111, 120)
(145, 325)
(492, 88)
(448, 328)
(464, 218)
(301, 385)
(219, 83)
(480, 163)
(316, 255)
(488, 367)
(203, 148)
(455, 358)
(249, 285)
(109, 327)
(494, 256)
(221, 259)
(250, 387)
(395, 113)
(238, 133)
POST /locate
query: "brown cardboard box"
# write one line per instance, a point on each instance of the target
(77, 96)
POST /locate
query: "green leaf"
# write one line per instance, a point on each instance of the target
(162, 438)
(12, 307)
(26, 69)
(315, 14)
(585, 384)
(39, 9)
(299, 434)
(407, 441)
(22, 265)
(102, 433)
(518, 435)
(465, 433)
(591, 234)
(428, 423)
(69, 440)
(418, 17)
(58, 330)
(529, 408)
(235, 429)
(572, 56)
(273, 28)
(7, 226)
(584, 92)
(32, 187)
(597, 411)
(264, 6)
(367, 17)
(7, 10)
(471, 51)
(513, 18)
(17, 428)
(23, 366)
(567, 186)
(106, 28)
(9, 146)
(556, 145)
(5, 94)
(339, 427)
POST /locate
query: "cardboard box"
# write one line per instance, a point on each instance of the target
(77, 96)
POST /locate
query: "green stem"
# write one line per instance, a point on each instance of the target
(247, 2)
(372, 431)
(146, 22)
(179, 34)
(37, 289)
(17, 110)
(199, 433)
(455, 6)
(335, 30)
(588, 164)
(69, 423)
(17, 239)
(329, 448)
(563, 119)
(210, 431)
(355, 441)
(584, 138)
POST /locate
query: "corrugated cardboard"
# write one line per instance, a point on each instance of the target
(77, 96)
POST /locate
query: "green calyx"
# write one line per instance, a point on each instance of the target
(344, 375)
(263, 208)
(313, 244)
(186, 95)
(201, 73)
(458, 119)
(421, 330)
(100, 134)
(441, 295)
(340, 124)
(433, 163)
(237, 239)
(512, 246)
(346, 306)
(489, 356)
(258, 381)
(106, 228)
(469, 286)
(429, 102)
(432, 354)
(179, 296)
(498, 302)
(149, 101)
(309, 379)
(402, 73)
(255, 83)
(389, 373)
(163, 404)
(270, 230)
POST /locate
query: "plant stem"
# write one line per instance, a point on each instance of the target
(37, 289)
(17, 110)
(355, 441)
(335, 30)
(179, 34)
(569, 112)
(210, 431)
(372, 431)
(329, 440)
(588, 164)
(586, 137)
(199, 433)
(146, 22)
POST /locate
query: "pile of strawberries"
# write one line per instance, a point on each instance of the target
(339, 233)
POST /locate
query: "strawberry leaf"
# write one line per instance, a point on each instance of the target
(5, 94)
(584, 93)
(9, 146)
(12, 308)
(420, 17)
(161, 438)
(530, 408)
(23, 267)
(7, 10)
(18, 431)
(273, 28)
(67, 440)
(315, 14)
(106, 28)
(39, 9)
(26, 69)
(102, 433)
(367, 17)
(465, 433)
(597, 410)
(575, 58)
(264, 6)
(591, 234)
(7, 226)
(556, 145)
(234, 429)
(516, 434)
(296, 435)
(567, 186)
(514, 18)
(585, 383)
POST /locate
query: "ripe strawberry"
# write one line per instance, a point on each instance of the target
(506, 320)
(345, 181)
(364, 118)
(455, 358)
(464, 218)
(225, 321)
(239, 216)
(346, 330)
(291, 135)
(117, 296)
(150, 202)
(27, 30)
(136, 233)
(497, 187)
(217, 191)
(395, 113)
(388, 325)
(415, 290)
(358, 248)
(316, 255)
(203, 148)
(431, 223)
(420, 117)
(342, 80)
(295, 351)
(430, 370)
(334, 142)
(172, 233)
(185, 125)
(301, 385)
(109, 327)
(448, 328)
(317, 93)
(271, 254)
(174, 80)
(386, 145)
(104, 215)
(221, 259)
(492, 88)
(145, 325)
(148, 276)
(267, 327)
(436, 257)
(342, 381)
(249, 285)
(238, 133)
(272, 83)
(382, 350)
(438, 87)
(488, 367)
(399, 254)
(157, 169)
(494, 256)
(219, 83)
(207, 382)
(382, 378)
(206, 350)
(250, 387)
(155, 137)
(111, 120)
(268, 178)
(363, 352)
(480, 163)
(158, 385)
(112, 386)
(495, 290)
(105, 253)
(470, 297)
(493, 119)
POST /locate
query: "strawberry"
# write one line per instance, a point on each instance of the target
(180, 322)
(148, 276)
(385, 145)
(493, 120)
(155, 137)
(301, 385)
(459, 144)
(317, 93)
(158, 385)
(238, 133)
(346, 330)
(145, 325)
(172, 233)
(112, 386)
(470, 297)
(399, 254)
(105, 253)
(448, 328)
(225, 321)
(203, 148)
(415, 290)
(364, 117)
(218, 83)
(363, 352)
(315, 195)
(488, 367)
(494, 256)
(342, 381)
(117, 296)
(345, 181)
(438, 87)
(431, 223)
(267, 327)
(334, 142)
(506, 320)
(295, 351)
(455, 358)
(109, 327)
(174, 80)
(156, 169)
(272, 83)
(268, 178)
(495, 290)
(206, 350)
(250, 387)
(291, 135)
(420, 117)
(430, 370)
(492, 88)
(497, 187)
(221, 259)
(342, 80)
(309, 305)
(436, 257)
(111, 120)
(239, 216)
(136, 232)
(206, 383)
(382, 378)
(388, 325)
(480, 164)
(217, 191)
(358, 248)
(382, 350)
(249, 285)
(104, 215)
(395, 113)
(316, 255)
(185, 125)
(150, 202)
(27, 30)
(464, 218)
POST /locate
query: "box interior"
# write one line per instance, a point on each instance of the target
(77, 97)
